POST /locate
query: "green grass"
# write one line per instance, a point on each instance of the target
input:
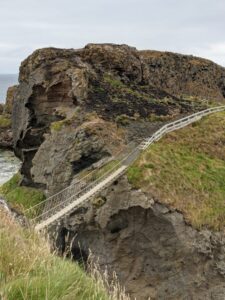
(20, 197)
(28, 271)
(114, 82)
(5, 122)
(59, 125)
(186, 170)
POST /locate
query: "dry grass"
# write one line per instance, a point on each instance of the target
(29, 271)
(115, 290)
(186, 170)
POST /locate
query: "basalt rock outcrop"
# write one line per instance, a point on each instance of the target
(11, 93)
(149, 245)
(74, 110)
(185, 74)
(6, 136)
(115, 83)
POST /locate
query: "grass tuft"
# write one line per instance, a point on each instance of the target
(5, 122)
(20, 197)
(28, 271)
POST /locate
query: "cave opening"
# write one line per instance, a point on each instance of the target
(86, 160)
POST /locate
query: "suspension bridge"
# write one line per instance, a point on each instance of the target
(65, 202)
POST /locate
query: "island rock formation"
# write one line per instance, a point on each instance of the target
(76, 109)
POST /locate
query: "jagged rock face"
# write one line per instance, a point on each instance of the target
(6, 136)
(181, 74)
(66, 153)
(112, 81)
(122, 60)
(6, 139)
(150, 247)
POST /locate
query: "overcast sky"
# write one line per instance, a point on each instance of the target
(186, 26)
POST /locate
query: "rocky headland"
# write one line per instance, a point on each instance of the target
(75, 109)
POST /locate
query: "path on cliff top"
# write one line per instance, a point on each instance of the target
(62, 204)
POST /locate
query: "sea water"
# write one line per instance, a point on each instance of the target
(9, 165)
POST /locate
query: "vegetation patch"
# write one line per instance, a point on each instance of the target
(28, 271)
(160, 118)
(186, 170)
(59, 125)
(20, 197)
(5, 122)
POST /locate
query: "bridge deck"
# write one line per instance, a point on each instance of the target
(83, 198)
(60, 206)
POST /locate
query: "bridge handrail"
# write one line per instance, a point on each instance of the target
(123, 161)
(81, 179)
(90, 185)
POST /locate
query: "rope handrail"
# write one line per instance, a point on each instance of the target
(92, 183)
(69, 187)
(80, 192)
(125, 161)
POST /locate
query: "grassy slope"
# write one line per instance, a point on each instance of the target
(20, 197)
(186, 170)
(28, 271)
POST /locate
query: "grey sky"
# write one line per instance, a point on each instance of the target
(186, 26)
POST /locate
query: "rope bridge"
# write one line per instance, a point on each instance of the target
(62, 204)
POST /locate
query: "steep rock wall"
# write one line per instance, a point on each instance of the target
(150, 247)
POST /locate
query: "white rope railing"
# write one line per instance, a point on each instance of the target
(65, 201)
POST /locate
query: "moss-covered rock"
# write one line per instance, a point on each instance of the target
(20, 197)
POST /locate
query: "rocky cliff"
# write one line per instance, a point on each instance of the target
(73, 111)
(148, 244)
(101, 86)
(6, 137)
(188, 75)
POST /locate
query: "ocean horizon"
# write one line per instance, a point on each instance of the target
(6, 80)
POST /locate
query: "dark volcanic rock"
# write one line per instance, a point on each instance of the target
(6, 136)
(150, 247)
(185, 74)
(11, 93)
(116, 82)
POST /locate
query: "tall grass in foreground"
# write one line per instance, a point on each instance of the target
(29, 271)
